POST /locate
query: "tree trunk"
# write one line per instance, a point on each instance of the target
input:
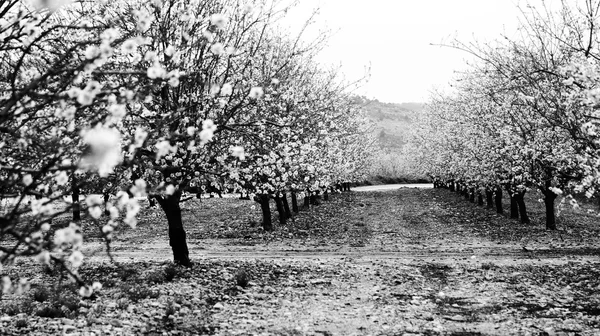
(326, 195)
(306, 202)
(286, 207)
(75, 198)
(451, 185)
(471, 194)
(152, 202)
(549, 198)
(520, 198)
(314, 198)
(106, 197)
(294, 202)
(177, 236)
(489, 198)
(266, 212)
(479, 197)
(280, 210)
(498, 199)
(514, 207)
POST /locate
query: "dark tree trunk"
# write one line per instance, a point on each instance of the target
(549, 198)
(294, 202)
(479, 197)
(106, 196)
(326, 195)
(514, 207)
(286, 207)
(498, 198)
(306, 202)
(520, 198)
(75, 198)
(451, 185)
(280, 210)
(266, 212)
(177, 236)
(314, 198)
(489, 198)
(471, 194)
(152, 201)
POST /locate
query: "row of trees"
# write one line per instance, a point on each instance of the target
(153, 99)
(525, 113)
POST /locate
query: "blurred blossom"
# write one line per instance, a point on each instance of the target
(43, 257)
(208, 124)
(170, 50)
(256, 92)
(227, 89)
(217, 49)
(129, 47)
(105, 150)
(27, 179)
(93, 200)
(238, 151)
(170, 189)
(86, 291)
(76, 259)
(163, 148)
(218, 20)
(52, 5)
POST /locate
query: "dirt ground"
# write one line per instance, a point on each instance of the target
(402, 262)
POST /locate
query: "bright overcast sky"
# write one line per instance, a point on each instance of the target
(393, 37)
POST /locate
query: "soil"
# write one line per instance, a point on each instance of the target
(398, 262)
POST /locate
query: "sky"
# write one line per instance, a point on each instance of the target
(394, 39)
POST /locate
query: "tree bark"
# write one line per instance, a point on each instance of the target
(520, 198)
(326, 195)
(498, 199)
(471, 194)
(514, 207)
(177, 236)
(266, 212)
(75, 198)
(106, 197)
(306, 202)
(314, 198)
(280, 210)
(294, 202)
(479, 197)
(489, 198)
(451, 185)
(549, 198)
(286, 207)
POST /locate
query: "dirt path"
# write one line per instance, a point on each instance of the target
(400, 262)
(386, 187)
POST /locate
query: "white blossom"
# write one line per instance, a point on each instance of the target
(105, 150)
(27, 180)
(226, 89)
(218, 20)
(256, 92)
(76, 259)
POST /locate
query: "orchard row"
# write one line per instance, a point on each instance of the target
(117, 100)
(525, 114)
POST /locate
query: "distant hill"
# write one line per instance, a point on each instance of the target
(393, 121)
